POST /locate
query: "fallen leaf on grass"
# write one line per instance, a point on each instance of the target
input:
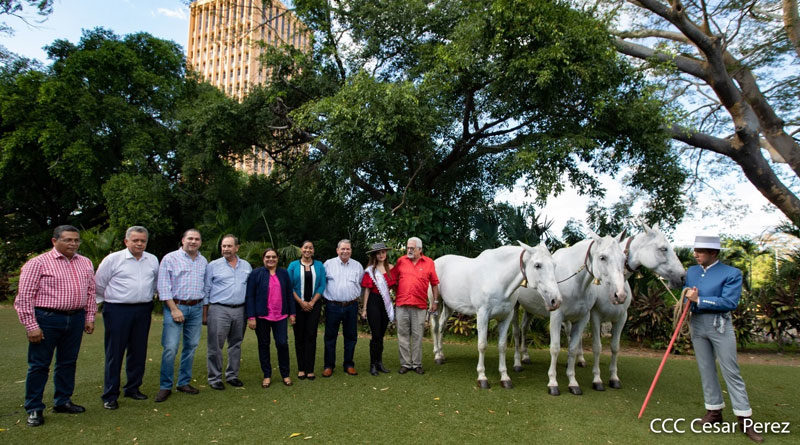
(2, 429)
(20, 381)
(491, 411)
(435, 398)
(167, 415)
(307, 437)
(384, 389)
(295, 435)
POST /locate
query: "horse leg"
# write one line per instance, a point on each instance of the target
(523, 335)
(575, 336)
(438, 332)
(616, 333)
(515, 334)
(483, 328)
(555, 347)
(597, 347)
(502, 328)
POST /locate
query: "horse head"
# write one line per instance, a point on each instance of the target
(652, 250)
(606, 263)
(540, 269)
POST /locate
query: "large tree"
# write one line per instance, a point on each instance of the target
(729, 68)
(421, 110)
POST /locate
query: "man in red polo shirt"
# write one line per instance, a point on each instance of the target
(413, 273)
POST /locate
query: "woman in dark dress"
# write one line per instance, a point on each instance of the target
(378, 307)
(308, 284)
(268, 305)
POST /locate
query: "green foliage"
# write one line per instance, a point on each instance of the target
(651, 315)
(96, 244)
(744, 319)
(139, 200)
(463, 325)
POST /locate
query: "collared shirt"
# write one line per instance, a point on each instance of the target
(413, 280)
(54, 281)
(719, 287)
(344, 279)
(121, 278)
(180, 277)
(226, 284)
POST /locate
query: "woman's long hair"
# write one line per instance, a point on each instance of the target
(373, 260)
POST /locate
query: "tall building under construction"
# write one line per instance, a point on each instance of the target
(224, 49)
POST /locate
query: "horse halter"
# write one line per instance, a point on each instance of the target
(595, 281)
(524, 282)
(627, 252)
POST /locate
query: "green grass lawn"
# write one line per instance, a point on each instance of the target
(442, 406)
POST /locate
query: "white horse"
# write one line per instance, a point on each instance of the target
(589, 270)
(651, 250)
(484, 286)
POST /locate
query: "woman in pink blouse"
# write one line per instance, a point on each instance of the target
(268, 305)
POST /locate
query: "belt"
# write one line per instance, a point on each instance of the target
(58, 311)
(343, 303)
(189, 302)
(232, 306)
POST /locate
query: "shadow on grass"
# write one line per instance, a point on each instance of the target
(442, 406)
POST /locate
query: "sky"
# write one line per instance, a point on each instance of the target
(169, 19)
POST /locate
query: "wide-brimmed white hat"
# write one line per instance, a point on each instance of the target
(707, 242)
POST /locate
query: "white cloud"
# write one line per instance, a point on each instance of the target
(177, 13)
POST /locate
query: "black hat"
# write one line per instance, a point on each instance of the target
(377, 247)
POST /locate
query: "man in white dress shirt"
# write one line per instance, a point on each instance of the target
(125, 284)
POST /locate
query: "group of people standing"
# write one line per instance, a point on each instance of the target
(59, 293)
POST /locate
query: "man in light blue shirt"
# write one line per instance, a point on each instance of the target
(223, 311)
(341, 306)
(125, 284)
(181, 282)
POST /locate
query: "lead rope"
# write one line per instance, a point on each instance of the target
(678, 309)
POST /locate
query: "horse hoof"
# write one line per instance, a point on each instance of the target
(439, 361)
(518, 368)
(575, 390)
(553, 391)
(598, 386)
(615, 384)
(483, 384)
(581, 364)
(527, 361)
(506, 384)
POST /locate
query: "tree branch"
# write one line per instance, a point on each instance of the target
(683, 63)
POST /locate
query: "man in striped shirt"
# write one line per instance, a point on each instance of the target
(56, 305)
(181, 279)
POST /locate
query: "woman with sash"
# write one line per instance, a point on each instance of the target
(378, 307)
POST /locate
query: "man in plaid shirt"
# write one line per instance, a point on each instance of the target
(56, 305)
(181, 287)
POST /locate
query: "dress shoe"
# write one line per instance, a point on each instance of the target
(69, 408)
(327, 372)
(419, 370)
(748, 430)
(188, 389)
(712, 416)
(216, 385)
(373, 369)
(163, 394)
(111, 404)
(136, 395)
(403, 370)
(311, 376)
(381, 368)
(351, 371)
(35, 418)
(235, 382)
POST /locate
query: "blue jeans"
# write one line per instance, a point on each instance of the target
(62, 335)
(171, 338)
(347, 316)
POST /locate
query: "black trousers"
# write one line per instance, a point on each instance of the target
(305, 336)
(378, 321)
(127, 327)
(279, 331)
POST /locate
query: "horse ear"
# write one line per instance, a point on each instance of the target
(645, 226)
(524, 246)
(592, 234)
(621, 235)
